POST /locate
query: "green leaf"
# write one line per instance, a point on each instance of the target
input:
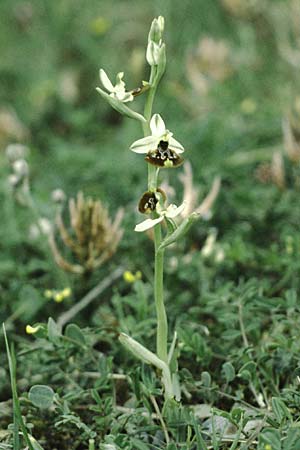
(41, 396)
(35, 443)
(54, 333)
(206, 379)
(236, 414)
(250, 366)
(280, 409)
(228, 371)
(247, 371)
(138, 444)
(74, 332)
(292, 441)
(231, 334)
(148, 357)
(30, 301)
(200, 442)
(245, 375)
(121, 107)
(271, 437)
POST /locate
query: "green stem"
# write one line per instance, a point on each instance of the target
(162, 322)
(148, 109)
(152, 179)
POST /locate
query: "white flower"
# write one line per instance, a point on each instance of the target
(159, 134)
(58, 196)
(118, 91)
(21, 168)
(169, 213)
(16, 151)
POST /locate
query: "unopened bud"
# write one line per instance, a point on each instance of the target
(13, 180)
(20, 168)
(152, 54)
(156, 29)
(45, 225)
(161, 62)
(58, 196)
(16, 151)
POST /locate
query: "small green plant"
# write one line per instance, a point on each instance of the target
(18, 420)
(162, 151)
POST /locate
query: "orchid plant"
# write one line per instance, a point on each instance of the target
(162, 151)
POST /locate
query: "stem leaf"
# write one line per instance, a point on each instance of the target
(120, 107)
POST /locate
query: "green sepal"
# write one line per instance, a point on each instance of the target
(171, 225)
(180, 231)
(120, 107)
(161, 64)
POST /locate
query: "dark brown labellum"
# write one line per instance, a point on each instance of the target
(163, 156)
(136, 92)
(149, 200)
(147, 203)
(140, 90)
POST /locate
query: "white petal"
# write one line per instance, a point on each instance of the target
(175, 145)
(105, 81)
(173, 210)
(157, 126)
(124, 96)
(119, 78)
(147, 224)
(144, 145)
(120, 85)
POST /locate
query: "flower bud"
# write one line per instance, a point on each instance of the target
(161, 62)
(156, 29)
(45, 225)
(16, 151)
(13, 180)
(58, 196)
(152, 53)
(20, 168)
(156, 56)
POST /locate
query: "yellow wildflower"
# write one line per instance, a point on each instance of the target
(130, 277)
(66, 292)
(99, 25)
(248, 106)
(58, 297)
(48, 293)
(32, 330)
